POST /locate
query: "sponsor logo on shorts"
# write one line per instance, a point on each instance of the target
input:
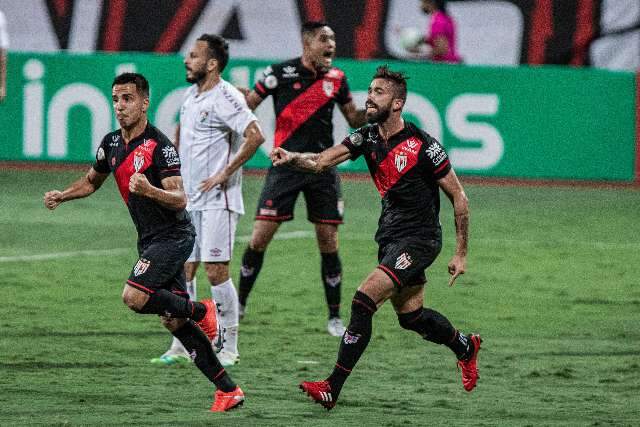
(403, 261)
(350, 339)
(141, 266)
(268, 212)
(215, 252)
(341, 207)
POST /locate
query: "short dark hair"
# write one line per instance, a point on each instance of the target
(311, 26)
(398, 78)
(218, 49)
(142, 85)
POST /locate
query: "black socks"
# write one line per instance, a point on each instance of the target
(199, 348)
(331, 271)
(354, 341)
(251, 265)
(165, 303)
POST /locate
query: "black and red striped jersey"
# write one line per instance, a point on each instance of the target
(405, 170)
(303, 101)
(155, 156)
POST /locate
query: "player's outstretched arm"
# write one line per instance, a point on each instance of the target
(253, 138)
(356, 118)
(251, 96)
(171, 195)
(454, 191)
(83, 187)
(312, 162)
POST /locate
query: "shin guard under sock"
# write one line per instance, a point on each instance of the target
(435, 327)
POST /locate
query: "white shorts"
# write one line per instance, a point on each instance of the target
(215, 233)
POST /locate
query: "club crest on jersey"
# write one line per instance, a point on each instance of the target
(403, 261)
(327, 87)
(401, 161)
(138, 162)
(203, 116)
(141, 266)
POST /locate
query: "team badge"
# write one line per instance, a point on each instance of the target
(141, 266)
(356, 139)
(203, 116)
(327, 87)
(271, 81)
(350, 339)
(401, 162)
(138, 162)
(403, 261)
(100, 155)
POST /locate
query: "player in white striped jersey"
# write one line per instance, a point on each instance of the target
(217, 134)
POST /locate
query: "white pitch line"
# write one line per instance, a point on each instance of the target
(308, 362)
(288, 235)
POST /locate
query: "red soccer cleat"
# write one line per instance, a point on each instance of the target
(469, 367)
(320, 392)
(226, 401)
(209, 323)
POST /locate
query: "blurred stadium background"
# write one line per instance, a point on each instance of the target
(542, 123)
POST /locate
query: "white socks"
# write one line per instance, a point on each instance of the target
(226, 298)
(191, 289)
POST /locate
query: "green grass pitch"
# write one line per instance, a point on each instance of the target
(551, 284)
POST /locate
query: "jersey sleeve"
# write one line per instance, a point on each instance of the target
(344, 93)
(233, 110)
(166, 159)
(101, 165)
(268, 84)
(435, 161)
(355, 143)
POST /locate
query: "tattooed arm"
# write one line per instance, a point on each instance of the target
(312, 162)
(454, 191)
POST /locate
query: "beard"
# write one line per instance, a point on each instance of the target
(196, 76)
(380, 115)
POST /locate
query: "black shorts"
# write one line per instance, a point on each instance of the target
(161, 264)
(404, 261)
(321, 194)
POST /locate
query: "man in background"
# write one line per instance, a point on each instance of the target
(216, 136)
(4, 47)
(304, 91)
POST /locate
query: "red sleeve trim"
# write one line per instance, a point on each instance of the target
(442, 166)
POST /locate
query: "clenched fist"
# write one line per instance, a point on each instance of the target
(139, 184)
(52, 199)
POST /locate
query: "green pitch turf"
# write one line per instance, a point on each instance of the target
(552, 286)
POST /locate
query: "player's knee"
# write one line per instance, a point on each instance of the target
(134, 299)
(132, 303)
(362, 310)
(412, 321)
(172, 323)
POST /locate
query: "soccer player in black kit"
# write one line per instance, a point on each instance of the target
(304, 91)
(146, 168)
(408, 168)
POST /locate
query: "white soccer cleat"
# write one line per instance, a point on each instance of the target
(335, 327)
(227, 358)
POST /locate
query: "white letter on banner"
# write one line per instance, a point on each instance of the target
(33, 109)
(73, 95)
(492, 145)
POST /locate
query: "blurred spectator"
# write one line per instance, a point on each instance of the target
(440, 39)
(4, 46)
